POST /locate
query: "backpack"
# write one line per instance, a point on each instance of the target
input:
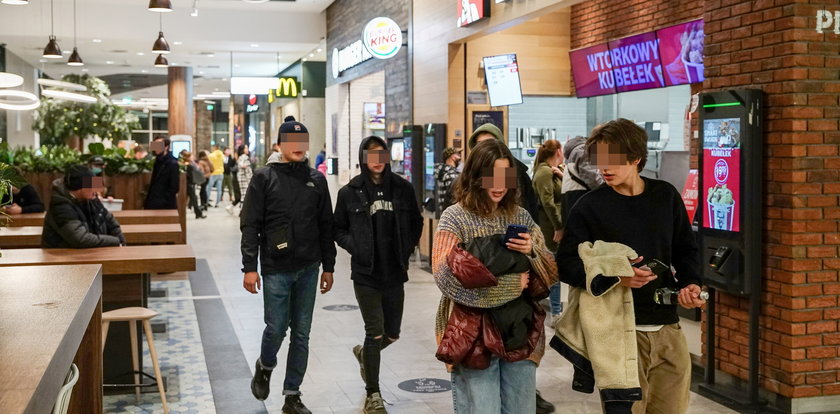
(197, 176)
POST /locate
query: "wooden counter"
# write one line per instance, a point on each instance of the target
(114, 260)
(50, 317)
(135, 234)
(124, 217)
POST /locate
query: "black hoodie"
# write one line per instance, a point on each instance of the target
(379, 225)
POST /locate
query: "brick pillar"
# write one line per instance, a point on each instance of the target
(774, 46)
(203, 126)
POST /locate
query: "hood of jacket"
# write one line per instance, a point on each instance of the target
(492, 129)
(60, 193)
(572, 144)
(363, 162)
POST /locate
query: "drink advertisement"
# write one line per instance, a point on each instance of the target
(722, 173)
(681, 47)
(636, 64)
(592, 70)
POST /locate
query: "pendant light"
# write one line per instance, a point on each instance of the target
(160, 6)
(75, 59)
(161, 62)
(15, 2)
(52, 51)
(161, 46)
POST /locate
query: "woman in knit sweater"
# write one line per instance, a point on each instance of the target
(486, 205)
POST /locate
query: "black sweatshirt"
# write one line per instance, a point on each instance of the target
(27, 198)
(654, 223)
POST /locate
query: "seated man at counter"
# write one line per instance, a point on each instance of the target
(76, 218)
(22, 200)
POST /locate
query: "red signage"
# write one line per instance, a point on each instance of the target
(689, 194)
(722, 174)
(471, 11)
(252, 100)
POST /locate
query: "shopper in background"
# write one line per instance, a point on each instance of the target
(548, 182)
(445, 175)
(217, 159)
(231, 183)
(21, 200)
(207, 170)
(140, 153)
(580, 176)
(166, 178)
(378, 221)
(287, 223)
(76, 218)
(244, 173)
(648, 216)
(321, 157)
(195, 177)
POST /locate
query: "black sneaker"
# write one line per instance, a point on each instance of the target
(357, 352)
(260, 382)
(294, 405)
(543, 406)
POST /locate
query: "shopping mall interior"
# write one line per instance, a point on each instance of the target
(169, 110)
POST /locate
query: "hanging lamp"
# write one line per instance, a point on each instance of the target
(161, 62)
(52, 51)
(75, 58)
(160, 6)
(161, 46)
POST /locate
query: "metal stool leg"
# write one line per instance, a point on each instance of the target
(147, 328)
(135, 358)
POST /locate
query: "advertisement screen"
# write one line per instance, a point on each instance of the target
(592, 71)
(635, 62)
(681, 47)
(722, 174)
(502, 75)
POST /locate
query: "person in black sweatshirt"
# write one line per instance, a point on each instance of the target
(378, 221)
(649, 216)
(22, 200)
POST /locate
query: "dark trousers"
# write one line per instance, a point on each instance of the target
(192, 199)
(203, 194)
(237, 192)
(382, 311)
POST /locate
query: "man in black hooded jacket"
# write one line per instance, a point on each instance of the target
(378, 221)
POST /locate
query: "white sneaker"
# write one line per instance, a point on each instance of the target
(229, 209)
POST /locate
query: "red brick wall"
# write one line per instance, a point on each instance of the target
(773, 45)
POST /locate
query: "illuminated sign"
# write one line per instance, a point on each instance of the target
(471, 11)
(252, 104)
(348, 57)
(286, 88)
(382, 38)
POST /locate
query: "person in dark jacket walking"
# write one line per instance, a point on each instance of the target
(287, 222)
(378, 221)
(76, 218)
(195, 178)
(166, 177)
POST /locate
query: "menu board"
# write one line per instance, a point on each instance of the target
(722, 173)
(502, 75)
(635, 62)
(592, 71)
(681, 47)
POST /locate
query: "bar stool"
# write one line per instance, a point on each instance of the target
(132, 315)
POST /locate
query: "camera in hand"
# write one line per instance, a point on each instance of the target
(666, 296)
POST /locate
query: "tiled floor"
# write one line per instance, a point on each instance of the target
(332, 383)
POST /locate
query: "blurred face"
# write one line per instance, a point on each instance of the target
(484, 136)
(376, 158)
(613, 164)
(157, 147)
(246, 151)
(497, 181)
(90, 188)
(293, 146)
(227, 152)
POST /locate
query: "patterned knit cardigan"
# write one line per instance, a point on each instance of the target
(458, 225)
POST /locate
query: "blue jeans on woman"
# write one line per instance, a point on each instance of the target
(215, 181)
(554, 299)
(288, 302)
(502, 388)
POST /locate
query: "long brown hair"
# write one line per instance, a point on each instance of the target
(547, 150)
(468, 190)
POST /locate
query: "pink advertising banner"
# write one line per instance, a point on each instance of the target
(635, 62)
(721, 174)
(681, 47)
(592, 70)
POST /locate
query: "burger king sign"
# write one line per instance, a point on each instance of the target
(382, 37)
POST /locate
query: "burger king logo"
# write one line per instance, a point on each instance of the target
(382, 37)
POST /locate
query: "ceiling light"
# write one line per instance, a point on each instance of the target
(30, 100)
(161, 6)
(319, 50)
(178, 43)
(304, 59)
(52, 51)
(65, 52)
(68, 96)
(256, 1)
(201, 72)
(140, 53)
(10, 80)
(254, 45)
(161, 62)
(15, 2)
(96, 40)
(42, 60)
(195, 9)
(75, 58)
(311, 55)
(144, 71)
(62, 84)
(161, 46)
(109, 62)
(84, 70)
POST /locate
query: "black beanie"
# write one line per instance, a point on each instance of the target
(74, 177)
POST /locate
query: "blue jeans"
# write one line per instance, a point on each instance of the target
(502, 388)
(215, 181)
(288, 301)
(554, 299)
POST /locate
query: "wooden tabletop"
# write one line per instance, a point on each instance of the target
(164, 258)
(124, 217)
(135, 234)
(44, 312)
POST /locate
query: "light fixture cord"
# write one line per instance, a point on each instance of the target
(52, 18)
(75, 39)
(160, 15)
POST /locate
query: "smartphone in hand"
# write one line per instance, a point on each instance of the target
(655, 265)
(512, 232)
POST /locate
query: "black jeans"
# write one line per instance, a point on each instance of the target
(192, 199)
(203, 193)
(382, 311)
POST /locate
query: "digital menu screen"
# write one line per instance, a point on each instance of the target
(681, 47)
(502, 75)
(635, 62)
(722, 174)
(592, 71)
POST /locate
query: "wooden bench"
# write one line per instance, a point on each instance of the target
(50, 317)
(126, 282)
(135, 234)
(124, 217)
